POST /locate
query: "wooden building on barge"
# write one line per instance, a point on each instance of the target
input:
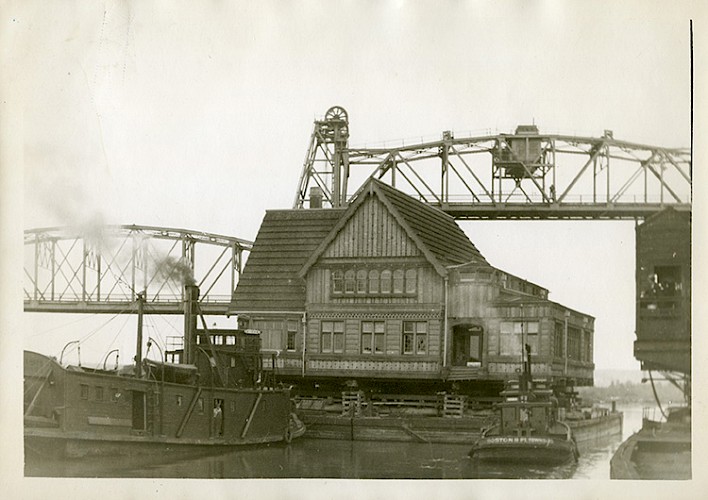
(391, 293)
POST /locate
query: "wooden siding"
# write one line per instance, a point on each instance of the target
(372, 231)
(470, 300)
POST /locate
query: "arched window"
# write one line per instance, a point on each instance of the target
(373, 281)
(398, 281)
(337, 282)
(386, 281)
(361, 281)
(349, 281)
(411, 281)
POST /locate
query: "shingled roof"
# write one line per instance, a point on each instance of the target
(285, 240)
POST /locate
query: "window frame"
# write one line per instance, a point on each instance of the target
(375, 330)
(334, 336)
(412, 332)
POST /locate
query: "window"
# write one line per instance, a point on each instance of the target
(411, 281)
(415, 337)
(511, 337)
(200, 405)
(233, 406)
(386, 281)
(587, 346)
(291, 340)
(178, 400)
(373, 281)
(115, 394)
(668, 280)
(372, 337)
(349, 281)
(337, 281)
(398, 281)
(574, 343)
(84, 391)
(361, 281)
(558, 336)
(332, 335)
(99, 393)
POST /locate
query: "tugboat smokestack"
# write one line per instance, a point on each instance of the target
(191, 300)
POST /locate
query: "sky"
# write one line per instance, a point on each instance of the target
(168, 114)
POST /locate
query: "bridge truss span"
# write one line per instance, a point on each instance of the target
(522, 175)
(103, 268)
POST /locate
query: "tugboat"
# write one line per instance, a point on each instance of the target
(209, 397)
(529, 429)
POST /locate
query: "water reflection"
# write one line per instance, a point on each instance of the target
(316, 458)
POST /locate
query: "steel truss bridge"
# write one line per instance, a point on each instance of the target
(524, 175)
(101, 269)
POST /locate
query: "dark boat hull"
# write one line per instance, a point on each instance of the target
(524, 449)
(47, 443)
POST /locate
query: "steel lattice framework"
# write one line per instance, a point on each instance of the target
(103, 268)
(524, 175)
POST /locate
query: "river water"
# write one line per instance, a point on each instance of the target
(318, 458)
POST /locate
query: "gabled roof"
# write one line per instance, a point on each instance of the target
(285, 240)
(435, 233)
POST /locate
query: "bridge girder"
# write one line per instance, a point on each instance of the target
(524, 175)
(101, 269)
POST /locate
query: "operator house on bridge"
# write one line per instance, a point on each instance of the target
(390, 292)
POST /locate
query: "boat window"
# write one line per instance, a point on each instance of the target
(200, 405)
(84, 391)
(99, 393)
(115, 394)
(233, 406)
(178, 399)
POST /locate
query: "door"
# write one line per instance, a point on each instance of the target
(138, 410)
(467, 345)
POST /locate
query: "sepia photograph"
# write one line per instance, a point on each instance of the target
(290, 249)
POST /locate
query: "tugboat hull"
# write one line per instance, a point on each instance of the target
(524, 449)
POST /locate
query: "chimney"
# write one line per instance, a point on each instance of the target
(191, 298)
(315, 197)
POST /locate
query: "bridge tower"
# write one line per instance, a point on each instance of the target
(326, 166)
